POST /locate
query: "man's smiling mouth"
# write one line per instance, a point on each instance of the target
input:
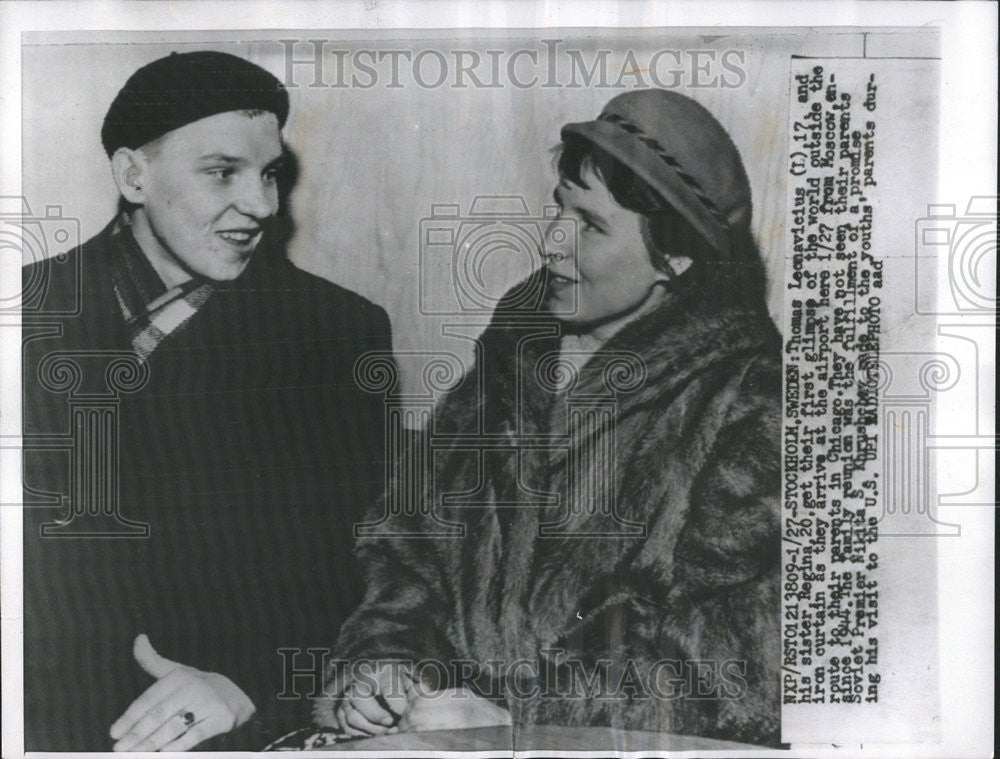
(239, 236)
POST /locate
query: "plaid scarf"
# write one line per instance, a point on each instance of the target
(151, 311)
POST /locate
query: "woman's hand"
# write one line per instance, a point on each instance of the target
(375, 700)
(184, 707)
(451, 709)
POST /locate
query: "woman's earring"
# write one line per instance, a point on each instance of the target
(668, 268)
(678, 265)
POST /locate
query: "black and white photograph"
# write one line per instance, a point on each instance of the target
(498, 378)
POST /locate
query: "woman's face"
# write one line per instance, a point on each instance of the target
(608, 273)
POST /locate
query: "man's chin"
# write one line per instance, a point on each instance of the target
(223, 272)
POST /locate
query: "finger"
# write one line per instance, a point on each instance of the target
(405, 724)
(397, 703)
(170, 730)
(373, 711)
(427, 719)
(411, 718)
(397, 693)
(153, 695)
(342, 721)
(175, 703)
(358, 721)
(149, 660)
(201, 731)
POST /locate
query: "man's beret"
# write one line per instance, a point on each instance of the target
(184, 87)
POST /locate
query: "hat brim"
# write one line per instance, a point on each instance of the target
(646, 163)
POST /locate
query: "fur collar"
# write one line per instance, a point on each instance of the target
(647, 361)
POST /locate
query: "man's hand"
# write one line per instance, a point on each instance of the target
(451, 709)
(184, 707)
(375, 699)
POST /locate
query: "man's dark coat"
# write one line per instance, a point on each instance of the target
(247, 452)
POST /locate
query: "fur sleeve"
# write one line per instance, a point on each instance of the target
(727, 561)
(695, 649)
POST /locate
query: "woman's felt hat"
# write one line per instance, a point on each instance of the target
(679, 148)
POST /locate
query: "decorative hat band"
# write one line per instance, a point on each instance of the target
(661, 153)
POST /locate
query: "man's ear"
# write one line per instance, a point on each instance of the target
(129, 170)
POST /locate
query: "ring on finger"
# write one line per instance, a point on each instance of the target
(187, 719)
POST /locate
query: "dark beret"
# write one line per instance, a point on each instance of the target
(184, 87)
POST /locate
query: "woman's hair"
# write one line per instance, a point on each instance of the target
(740, 278)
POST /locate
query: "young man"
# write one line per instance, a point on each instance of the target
(221, 452)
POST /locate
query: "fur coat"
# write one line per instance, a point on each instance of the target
(617, 570)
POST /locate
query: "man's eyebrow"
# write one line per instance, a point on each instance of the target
(221, 158)
(274, 163)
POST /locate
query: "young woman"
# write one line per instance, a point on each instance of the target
(625, 571)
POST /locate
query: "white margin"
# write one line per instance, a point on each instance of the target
(968, 129)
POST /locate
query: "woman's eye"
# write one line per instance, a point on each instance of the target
(588, 225)
(223, 173)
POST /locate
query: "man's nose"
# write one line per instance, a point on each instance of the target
(257, 198)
